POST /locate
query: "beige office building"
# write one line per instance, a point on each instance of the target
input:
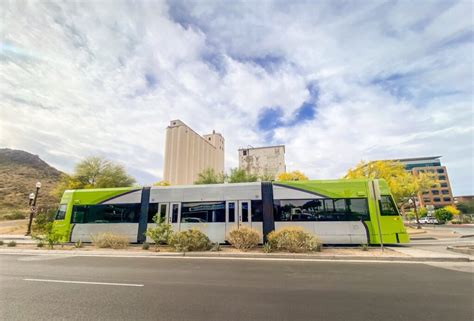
(263, 161)
(188, 153)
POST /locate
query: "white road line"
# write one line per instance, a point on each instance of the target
(82, 282)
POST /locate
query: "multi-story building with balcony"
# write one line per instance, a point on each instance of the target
(439, 196)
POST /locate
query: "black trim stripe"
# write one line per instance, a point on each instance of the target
(120, 195)
(143, 220)
(268, 224)
(366, 231)
(70, 233)
(301, 190)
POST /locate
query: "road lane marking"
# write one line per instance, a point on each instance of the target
(82, 282)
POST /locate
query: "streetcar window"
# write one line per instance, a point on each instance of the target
(174, 213)
(231, 212)
(387, 207)
(343, 209)
(152, 211)
(106, 213)
(61, 213)
(163, 208)
(257, 211)
(245, 211)
(203, 212)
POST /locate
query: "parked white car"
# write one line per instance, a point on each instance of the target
(428, 220)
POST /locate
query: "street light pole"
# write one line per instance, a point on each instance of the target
(33, 198)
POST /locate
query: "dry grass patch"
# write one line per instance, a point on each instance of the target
(110, 240)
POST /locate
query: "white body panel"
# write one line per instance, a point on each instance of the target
(214, 231)
(84, 232)
(198, 193)
(331, 232)
(258, 226)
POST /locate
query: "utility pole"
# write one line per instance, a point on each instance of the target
(33, 198)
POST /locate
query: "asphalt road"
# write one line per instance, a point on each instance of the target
(226, 290)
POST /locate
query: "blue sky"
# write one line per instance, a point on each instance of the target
(335, 81)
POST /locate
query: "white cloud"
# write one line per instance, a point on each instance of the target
(394, 80)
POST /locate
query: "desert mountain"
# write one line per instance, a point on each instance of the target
(19, 172)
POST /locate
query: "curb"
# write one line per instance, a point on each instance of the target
(216, 255)
(460, 250)
(467, 235)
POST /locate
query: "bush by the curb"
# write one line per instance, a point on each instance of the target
(110, 240)
(190, 240)
(40, 244)
(78, 244)
(145, 246)
(244, 238)
(11, 244)
(294, 240)
(1, 242)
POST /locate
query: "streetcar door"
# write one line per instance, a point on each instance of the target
(174, 216)
(245, 216)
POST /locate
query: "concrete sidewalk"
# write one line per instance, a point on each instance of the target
(413, 255)
(427, 254)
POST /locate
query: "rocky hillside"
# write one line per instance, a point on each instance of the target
(19, 172)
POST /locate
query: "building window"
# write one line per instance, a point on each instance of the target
(440, 171)
(445, 192)
(447, 199)
(426, 200)
(203, 212)
(353, 209)
(442, 177)
(437, 199)
(444, 184)
(435, 192)
(244, 153)
(426, 192)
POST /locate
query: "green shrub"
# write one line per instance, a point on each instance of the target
(78, 244)
(110, 240)
(53, 239)
(190, 240)
(293, 240)
(11, 244)
(266, 248)
(1, 242)
(364, 247)
(40, 244)
(160, 234)
(145, 246)
(243, 238)
(216, 247)
(443, 215)
(43, 222)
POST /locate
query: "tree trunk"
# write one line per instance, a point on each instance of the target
(418, 224)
